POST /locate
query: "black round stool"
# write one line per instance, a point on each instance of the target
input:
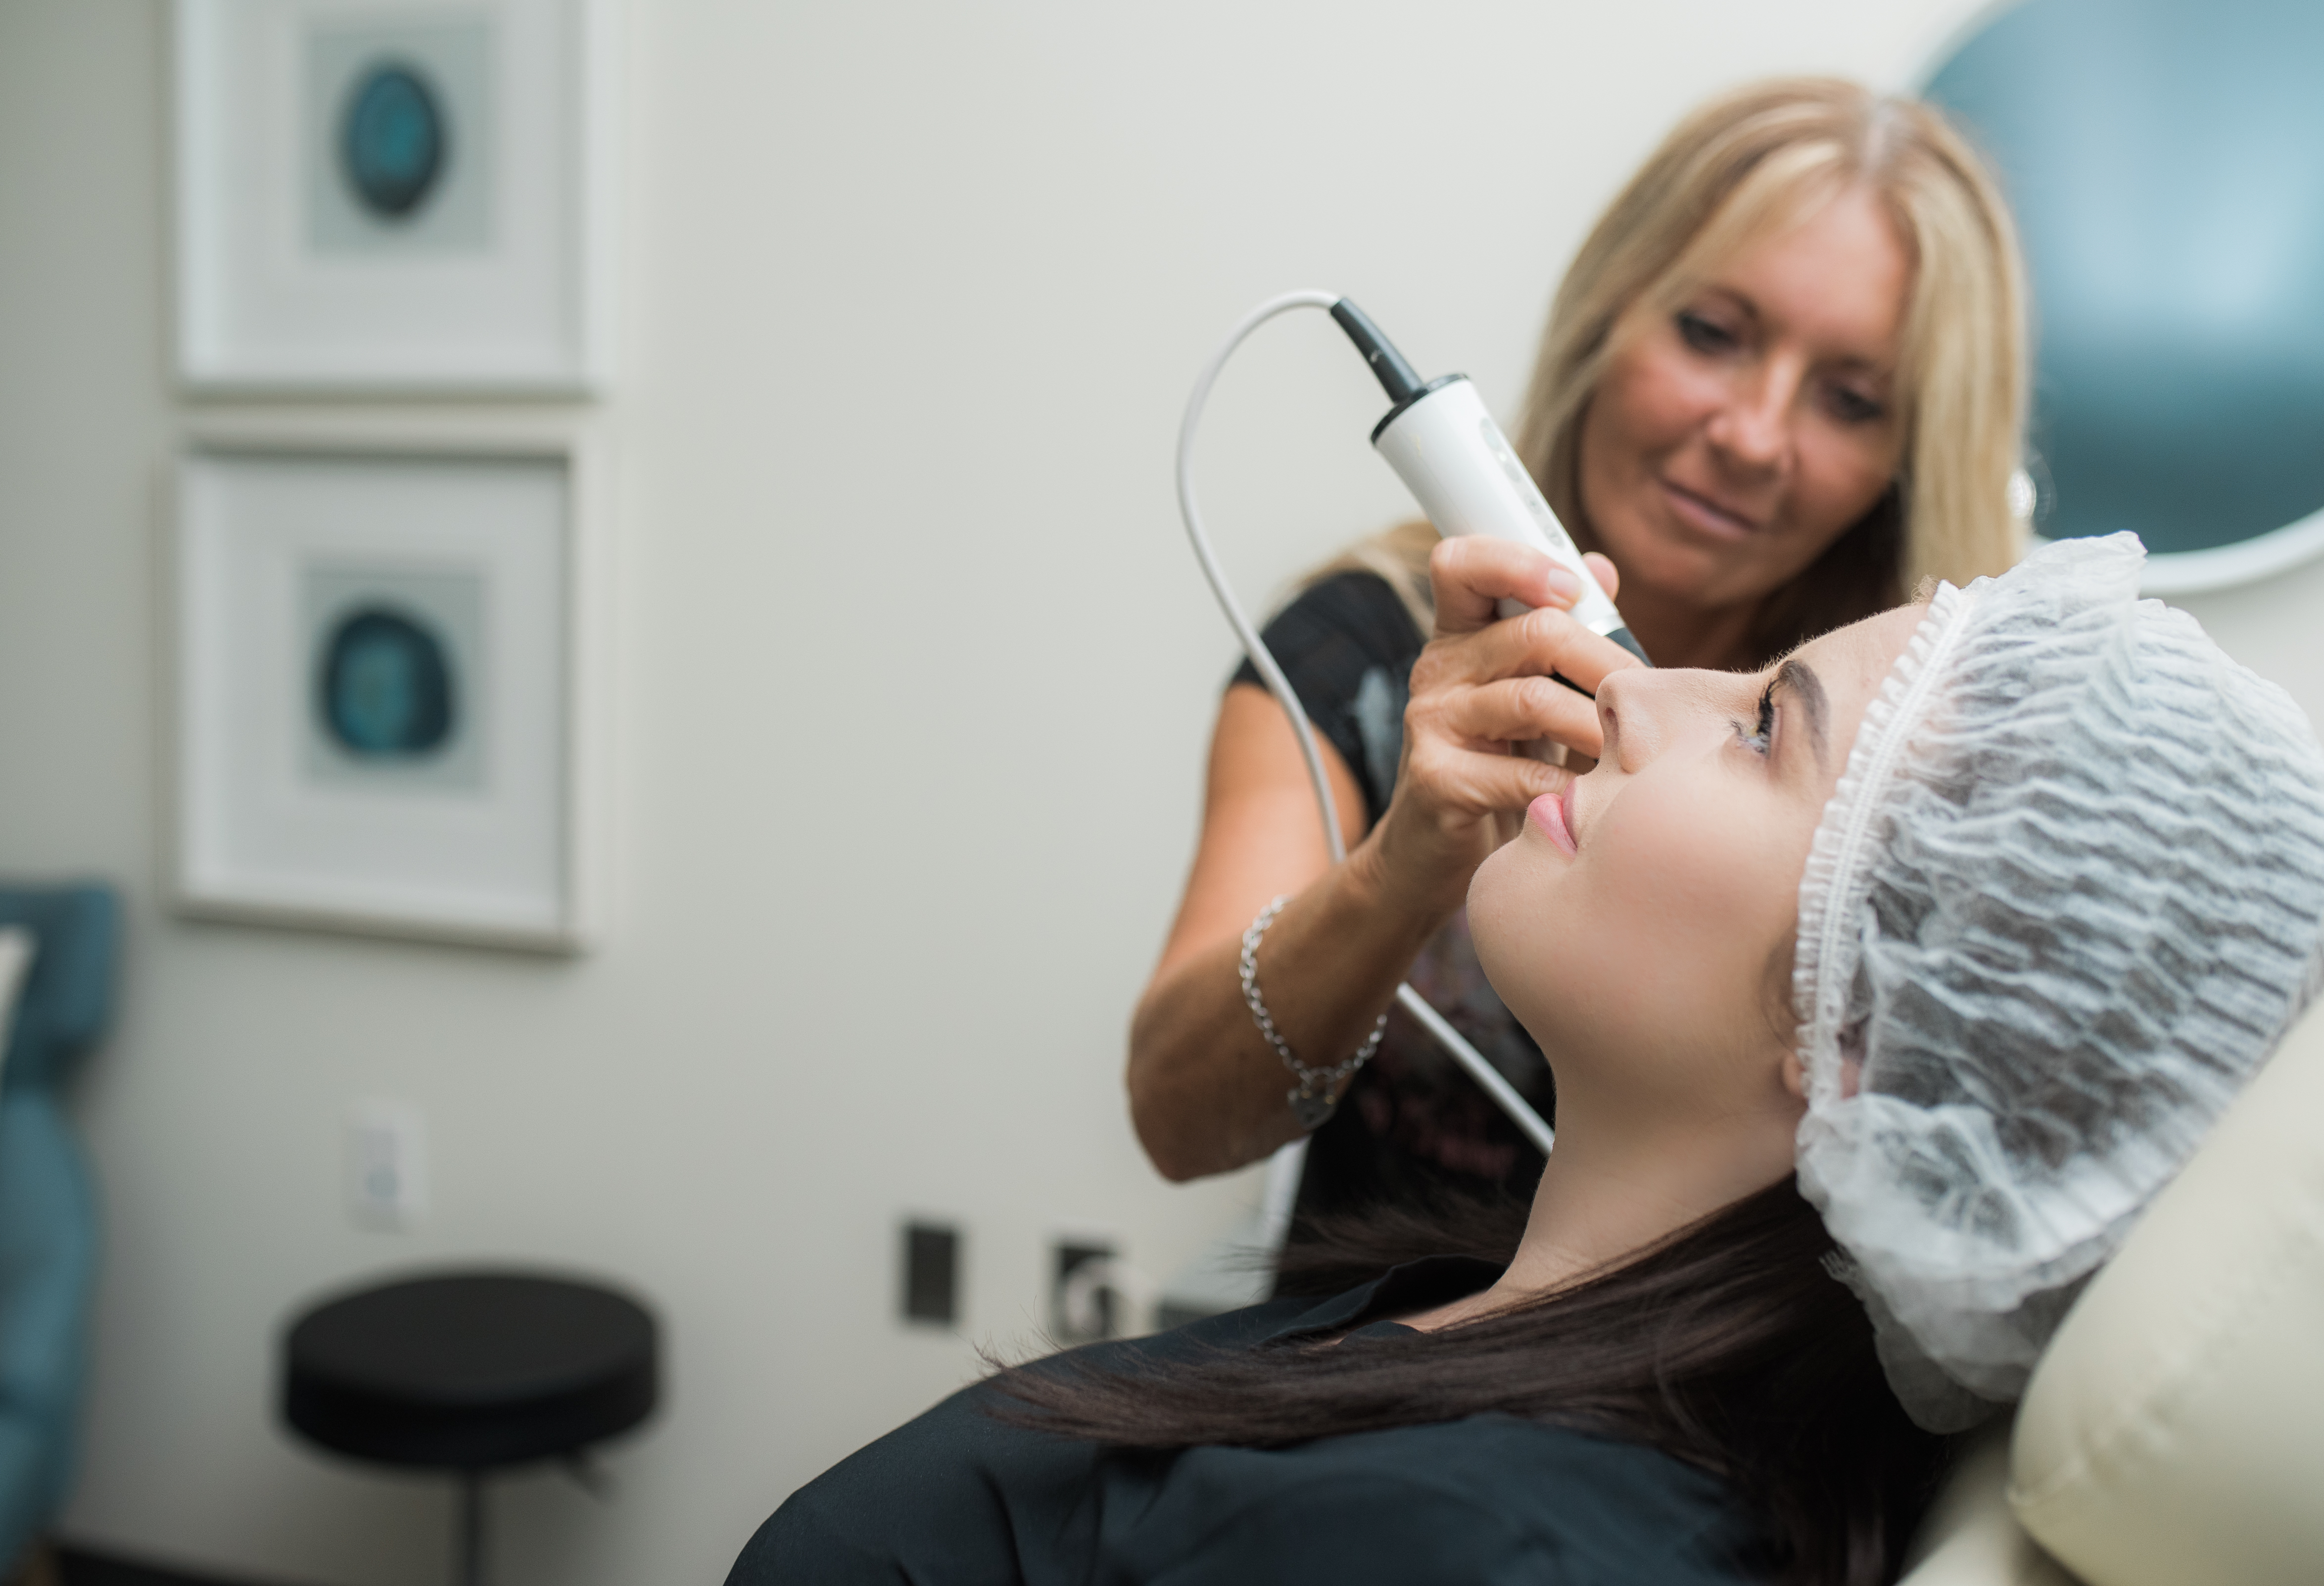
(470, 1372)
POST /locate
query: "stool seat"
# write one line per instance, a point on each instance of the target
(468, 1371)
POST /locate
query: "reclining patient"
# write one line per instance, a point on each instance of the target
(1884, 988)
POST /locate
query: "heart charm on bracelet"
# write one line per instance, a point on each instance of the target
(1310, 1110)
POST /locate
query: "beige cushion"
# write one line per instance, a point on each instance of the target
(1971, 1539)
(2173, 1434)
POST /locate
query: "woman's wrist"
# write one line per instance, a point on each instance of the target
(1394, 877)
(1333, 956)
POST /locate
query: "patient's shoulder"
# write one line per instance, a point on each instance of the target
(1487, 1499)
(988, 1498)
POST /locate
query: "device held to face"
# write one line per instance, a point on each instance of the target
(1453, 458)
(1449, 454)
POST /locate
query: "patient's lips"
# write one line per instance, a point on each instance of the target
(1551, 815)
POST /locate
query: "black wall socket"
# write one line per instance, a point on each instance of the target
(1071, 1257)
(931, 1273)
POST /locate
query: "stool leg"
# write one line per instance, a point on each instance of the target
(469, 1566)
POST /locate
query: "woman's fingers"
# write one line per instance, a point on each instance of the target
(1474, 573)
(1482, 784)
(1518, 710)
(1609, 576)
(1537, 643)
(1556, 641)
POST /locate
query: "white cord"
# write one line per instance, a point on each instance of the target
(1504, 1094)
(1283, 1172)
(1253, 645)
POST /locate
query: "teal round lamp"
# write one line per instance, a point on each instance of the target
(2166, 160)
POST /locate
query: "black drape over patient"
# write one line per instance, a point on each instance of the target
(966, 1497)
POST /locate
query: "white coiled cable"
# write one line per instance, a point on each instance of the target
(1283, 1172)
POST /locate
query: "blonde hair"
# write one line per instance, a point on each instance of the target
(1746, 164)
(1740, 167)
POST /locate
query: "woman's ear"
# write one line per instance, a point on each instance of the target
(1851, 1058)
(1783, 1026)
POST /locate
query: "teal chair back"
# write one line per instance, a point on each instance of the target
(48, 1202)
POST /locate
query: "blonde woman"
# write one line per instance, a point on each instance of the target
(1783, 382)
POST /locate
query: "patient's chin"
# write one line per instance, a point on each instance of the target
(1498, 898)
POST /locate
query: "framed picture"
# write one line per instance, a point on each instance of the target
(383, 706)
(2179, 378)
(394, 195)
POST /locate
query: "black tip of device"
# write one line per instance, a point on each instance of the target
(1396, 377)
(1622, 636)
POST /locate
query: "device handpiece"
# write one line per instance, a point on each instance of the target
(1453, 458)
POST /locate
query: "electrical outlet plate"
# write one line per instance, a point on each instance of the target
(931, 1285)
(386, 1164)
(1077, 1317)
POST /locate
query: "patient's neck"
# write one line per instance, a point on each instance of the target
(1623, 1177)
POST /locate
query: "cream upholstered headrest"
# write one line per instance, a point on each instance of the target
(2174, 1432)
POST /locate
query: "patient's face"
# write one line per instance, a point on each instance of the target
(1642, 930)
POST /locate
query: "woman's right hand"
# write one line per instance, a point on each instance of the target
(1206, 1092)
(1481, 691)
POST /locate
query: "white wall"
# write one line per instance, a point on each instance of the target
(914, 675)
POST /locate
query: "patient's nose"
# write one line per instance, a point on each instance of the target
(1626, 718)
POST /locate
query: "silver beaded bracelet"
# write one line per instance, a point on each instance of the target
(1319, 1090)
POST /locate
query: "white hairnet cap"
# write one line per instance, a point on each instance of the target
(2066, 900)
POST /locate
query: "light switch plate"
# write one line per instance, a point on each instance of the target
(387, 1164)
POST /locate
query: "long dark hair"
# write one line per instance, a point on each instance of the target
(1729, 1346)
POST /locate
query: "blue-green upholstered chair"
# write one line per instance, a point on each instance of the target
(48, 1205)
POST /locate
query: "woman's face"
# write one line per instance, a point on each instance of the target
(1729, 444)
(1640, 925)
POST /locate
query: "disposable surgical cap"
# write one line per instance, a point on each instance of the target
(2065, 901)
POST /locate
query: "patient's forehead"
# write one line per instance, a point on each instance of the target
(1845, 657)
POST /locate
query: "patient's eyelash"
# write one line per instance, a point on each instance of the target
(1757, 739)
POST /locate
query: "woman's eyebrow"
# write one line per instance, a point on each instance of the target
(1808, 689)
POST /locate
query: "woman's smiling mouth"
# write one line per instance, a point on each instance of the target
(1705, 515)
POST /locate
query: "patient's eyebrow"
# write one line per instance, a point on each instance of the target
(1796, 674)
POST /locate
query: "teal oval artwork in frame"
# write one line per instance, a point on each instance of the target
(2165, 161)
(385, 688)
(392, 142)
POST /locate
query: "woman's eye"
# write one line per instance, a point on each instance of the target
(1762, 734)
(1704, 335)
(1851, 406)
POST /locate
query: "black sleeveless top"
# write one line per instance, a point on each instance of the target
(1413, 1125)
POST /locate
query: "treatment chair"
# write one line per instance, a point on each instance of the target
(48, 1208)
(2173, 1433)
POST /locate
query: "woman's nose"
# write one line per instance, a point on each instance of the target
(1752, 426)
(1626, 718)
(1644, 711)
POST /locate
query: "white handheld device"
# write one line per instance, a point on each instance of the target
(1447, 449)
(1460, 467)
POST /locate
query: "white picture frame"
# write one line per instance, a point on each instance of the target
(307, 786)
(395, 195)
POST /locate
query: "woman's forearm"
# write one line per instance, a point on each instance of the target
(1207, 1094)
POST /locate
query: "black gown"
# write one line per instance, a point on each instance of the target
(959, 1498)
